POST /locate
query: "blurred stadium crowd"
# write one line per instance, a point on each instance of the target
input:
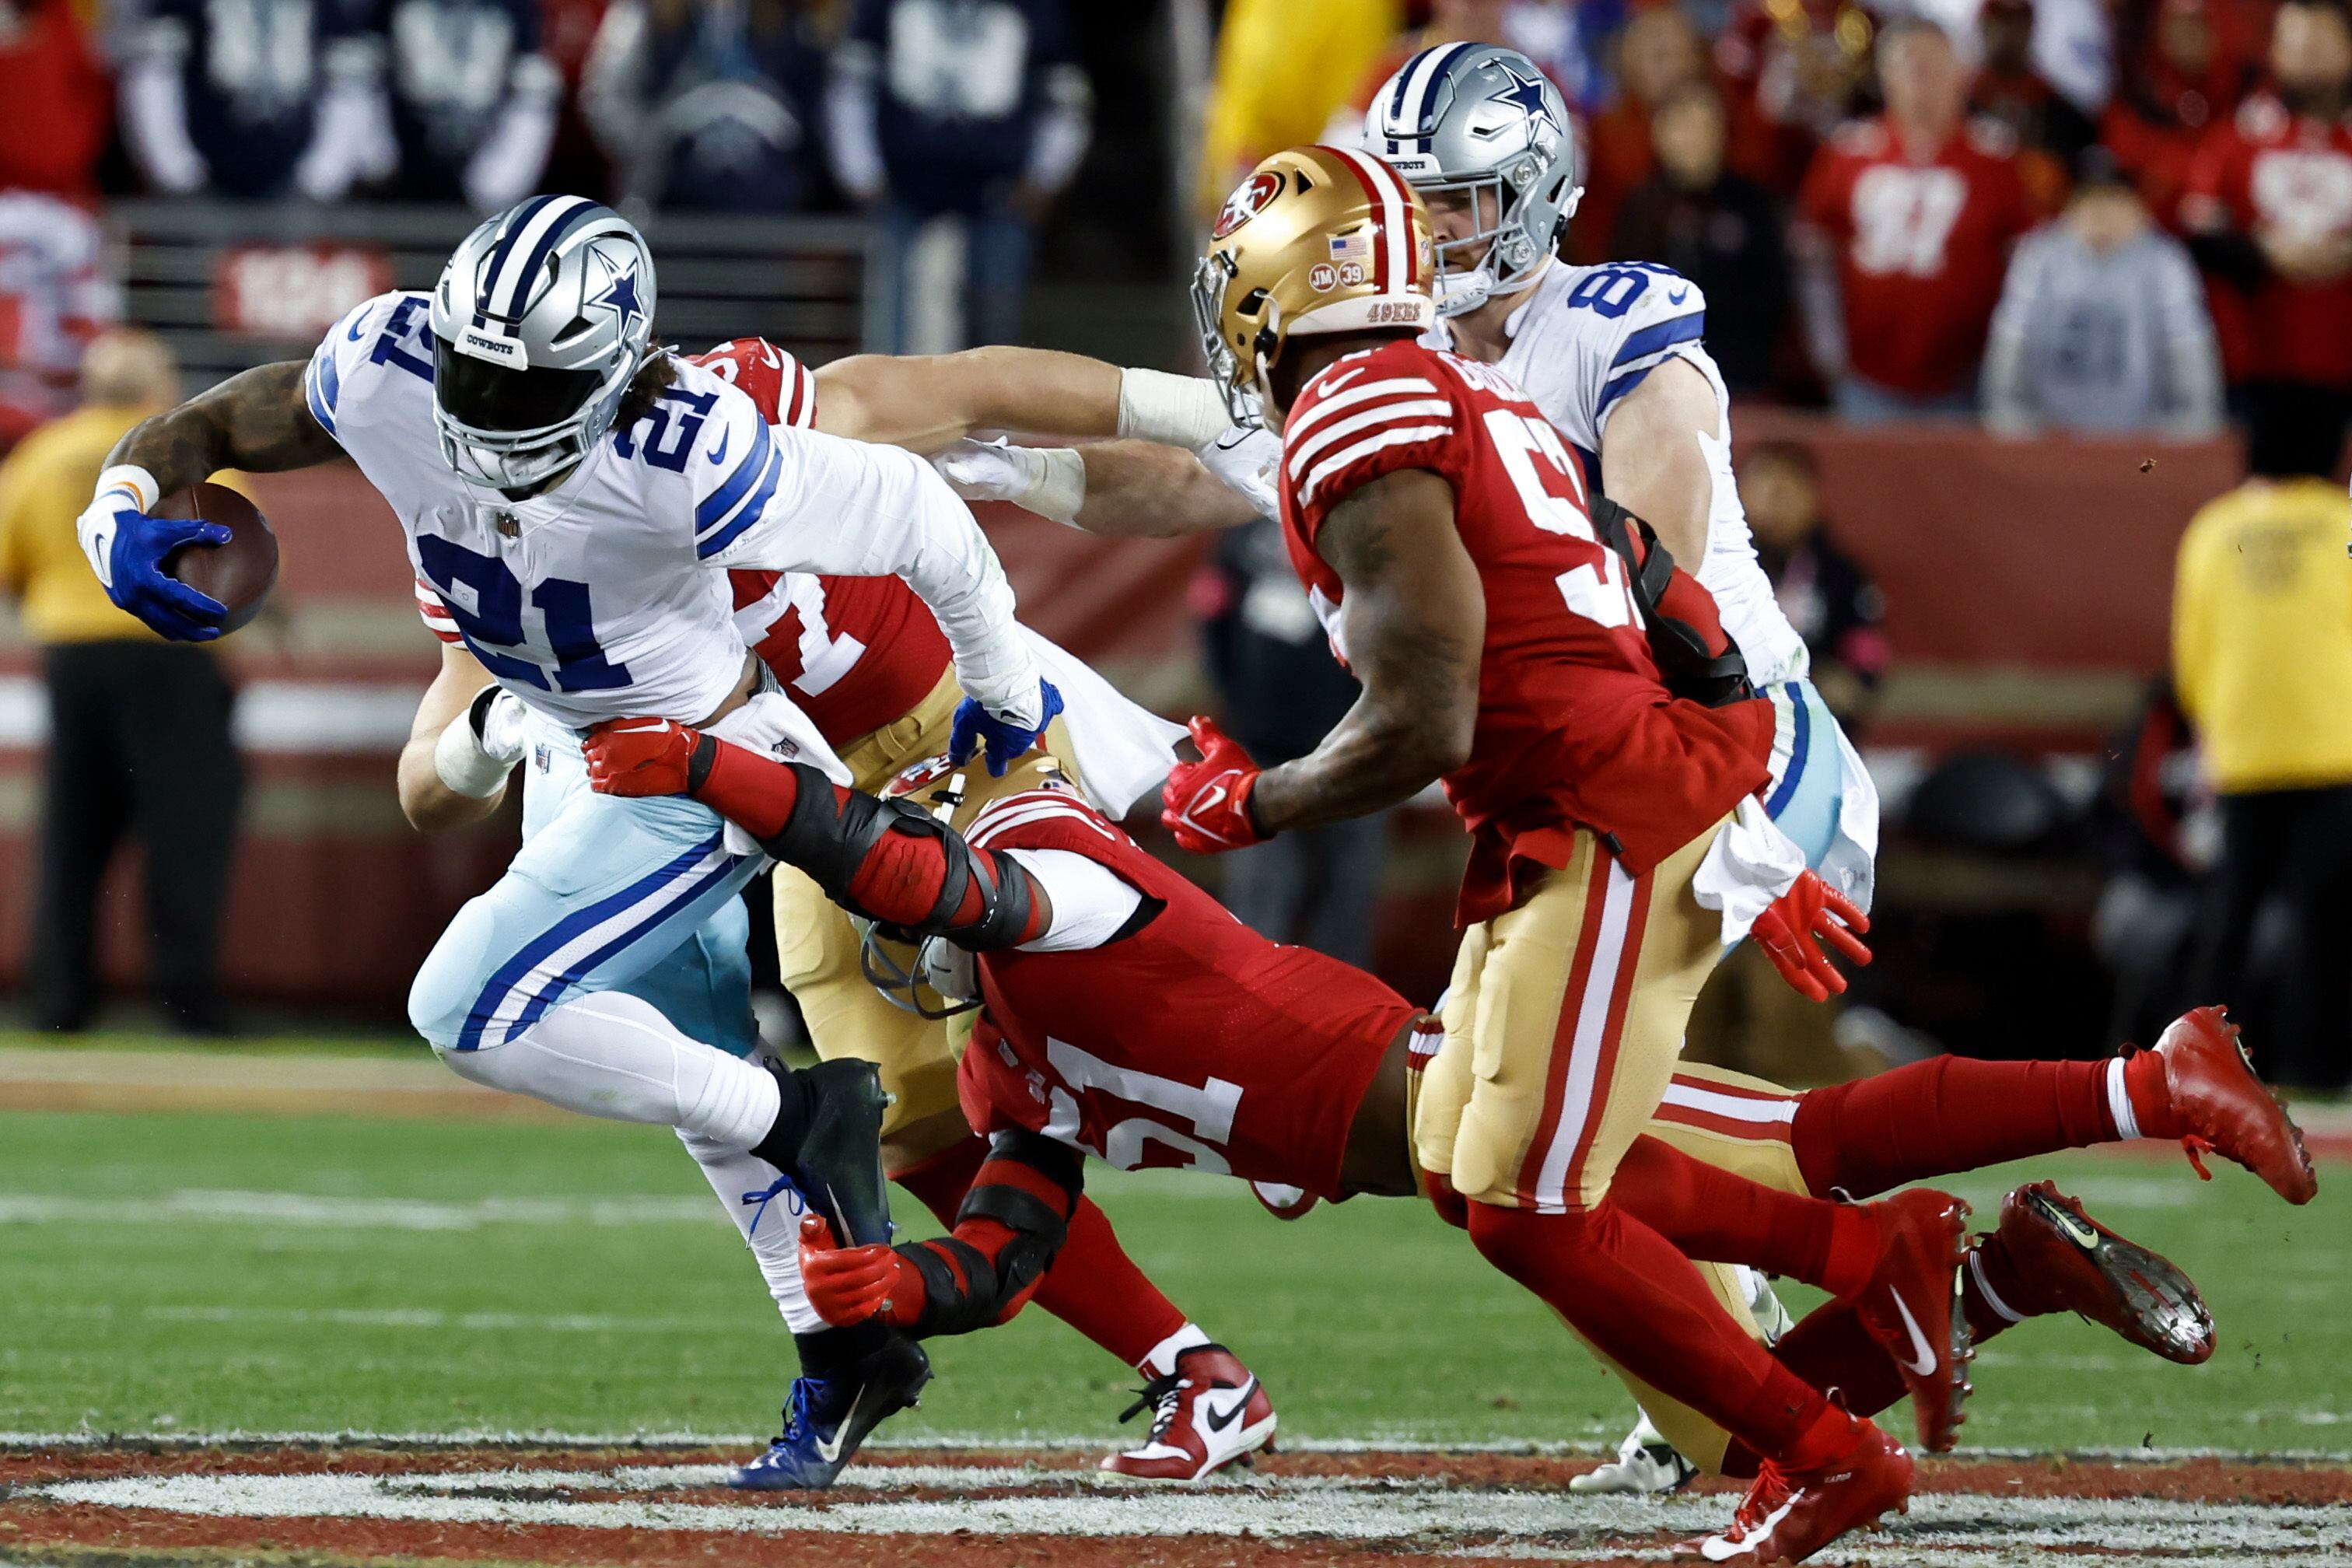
(2037, 217)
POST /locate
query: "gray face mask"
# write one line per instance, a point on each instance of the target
(1481, 125)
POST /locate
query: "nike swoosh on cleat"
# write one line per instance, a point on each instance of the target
(1241, 1402)
(831, 1452)
(2084, 1236)
(1925, 1364)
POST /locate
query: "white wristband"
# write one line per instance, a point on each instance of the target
(467, 765)
(1177, 410)
(140, 483)
(1058, 484)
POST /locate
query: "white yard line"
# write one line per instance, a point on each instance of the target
(1970, 1528)
(683, 1442)
(196, 1206)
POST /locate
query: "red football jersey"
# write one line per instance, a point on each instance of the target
(1922, 249)
(2265, 169)
(855, 653)
(1192, 1043)
(1575, 727)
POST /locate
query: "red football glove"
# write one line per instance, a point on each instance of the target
(1811, 909)
(639, 756)
(1207, 803)
(850, 1284)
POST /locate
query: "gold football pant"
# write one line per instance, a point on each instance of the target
(817, 945)
(1563, 1030)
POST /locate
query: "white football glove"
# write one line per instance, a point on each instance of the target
(1049, 481)
(480, 747)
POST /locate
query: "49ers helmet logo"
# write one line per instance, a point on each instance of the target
(1248, 200)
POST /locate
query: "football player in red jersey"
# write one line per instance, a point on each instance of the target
(865, 659)
(1279, 1064)
(1448, 539)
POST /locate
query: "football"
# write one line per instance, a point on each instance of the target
(238, 573)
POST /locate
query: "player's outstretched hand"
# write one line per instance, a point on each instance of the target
(846, 1284)
(1006, 735)
(1811, 909)
(640, 756)
(1206, 804)
(127, 548)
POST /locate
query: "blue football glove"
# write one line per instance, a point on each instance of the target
(126, 548)
(1006, 738)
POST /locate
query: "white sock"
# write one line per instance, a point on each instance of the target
(775, 1244)
(1161, 1361)
(2119, 1104)
(1984, 1288)
(614, 1055)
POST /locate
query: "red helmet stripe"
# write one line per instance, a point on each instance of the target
(1392, 268)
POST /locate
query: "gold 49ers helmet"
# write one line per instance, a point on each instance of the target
(1316, 240)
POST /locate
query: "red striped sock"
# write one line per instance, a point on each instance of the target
(1933, 1118)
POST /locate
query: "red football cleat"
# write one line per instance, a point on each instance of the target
(2074, 1264)
(1911, 1305)
(2223, 1107)
(1789, 1515)
(1209, 1413)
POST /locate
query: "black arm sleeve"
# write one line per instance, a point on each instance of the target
(870, 855)
(1012, 1222)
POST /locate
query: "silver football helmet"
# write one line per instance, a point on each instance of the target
(1481, 119)
(539, 322)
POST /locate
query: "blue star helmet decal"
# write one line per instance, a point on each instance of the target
(622, 297)
(1527, 93)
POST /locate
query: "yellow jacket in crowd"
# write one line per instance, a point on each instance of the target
(2262, 636)
(1282, 67)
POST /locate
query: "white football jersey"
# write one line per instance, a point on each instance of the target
(1585, 337)
(608, 596)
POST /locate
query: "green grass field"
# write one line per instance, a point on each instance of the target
(191, 1273)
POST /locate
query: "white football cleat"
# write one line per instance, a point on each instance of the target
(1211, 1412)
(1645, 1462)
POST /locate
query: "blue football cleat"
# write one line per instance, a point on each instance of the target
(828, 1418)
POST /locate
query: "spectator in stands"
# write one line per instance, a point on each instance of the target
(2178, 77)
(567, 33)
(255, 98)
(970, 109)
(1825, 592)
(472, 100)
(707, 107)
(139, 728)
(2262, 655)
(57, 98)
(1283, 66)
(2269, 210)
(2102, 324)
(2051, 131)
(54, 296)
(1716, 228)
(1907, 224)
(1282, 691)
(1657, 53)
(1790, 75)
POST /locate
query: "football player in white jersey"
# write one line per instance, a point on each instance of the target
(574, 495)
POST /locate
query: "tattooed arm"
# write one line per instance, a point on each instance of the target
(1414, 618)
(258, 421)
